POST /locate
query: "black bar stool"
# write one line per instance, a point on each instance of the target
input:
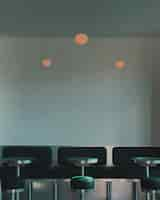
(149, 184)
(21, 157)
(81, 157)
(135, 158)
(15, 186)
(82, 183)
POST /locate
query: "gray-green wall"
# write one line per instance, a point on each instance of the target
(82, 99)
(156, 95)
(65, 18)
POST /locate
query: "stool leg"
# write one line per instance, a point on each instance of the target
(15, 195)
(82, 194)
(135, 191)
(83, 170)
(30, 190)
(147, 171)
(148, 196)
(109, 190)
(153, 194)
(55, 190)
(18, 171)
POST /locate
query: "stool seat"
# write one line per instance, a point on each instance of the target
(82, 161)
(147, 161)
(82, 182)
(151, 183)
(16, 161)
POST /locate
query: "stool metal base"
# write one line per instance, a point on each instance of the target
(82, 194)
(135, 191)
(15, 195)
(29, 190)
(109, 190)
(55, 185)
(151, 195)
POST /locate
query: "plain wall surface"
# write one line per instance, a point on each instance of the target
(82, 99)
(156, 96)
(65, 18)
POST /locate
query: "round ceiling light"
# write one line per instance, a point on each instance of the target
(81, 39)
(46, 62)
(120, 64)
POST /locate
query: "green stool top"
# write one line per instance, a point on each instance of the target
(82, 161)
(82, 182)
(83, 178)
(147, 161)
(16, 161)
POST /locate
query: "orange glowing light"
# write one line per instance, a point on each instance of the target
(81, 39)
(120, 64)
(46, 62)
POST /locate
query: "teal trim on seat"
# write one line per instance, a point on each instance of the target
(82, 182)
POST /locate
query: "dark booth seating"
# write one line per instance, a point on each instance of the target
(41, 155)
(82, 157)
(67, 152)
(146, 157)
(20, 157)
